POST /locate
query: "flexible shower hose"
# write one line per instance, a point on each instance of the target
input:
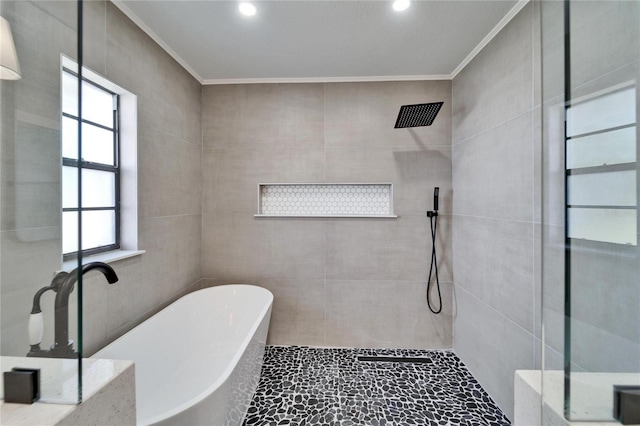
(433, 219)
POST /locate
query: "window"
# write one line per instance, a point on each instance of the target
(99, 164)
(109, 168)
(602, 167)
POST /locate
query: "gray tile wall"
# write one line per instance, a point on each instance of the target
(169, 171)
(494, 209)
(337, 282)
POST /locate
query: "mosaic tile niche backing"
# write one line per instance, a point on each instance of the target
(326, 200)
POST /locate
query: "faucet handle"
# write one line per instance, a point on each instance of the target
(36, 328)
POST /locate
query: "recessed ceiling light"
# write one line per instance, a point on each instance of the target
(247, 9)
(400, 5)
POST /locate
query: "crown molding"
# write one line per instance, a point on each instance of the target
(144, 27)
(494, 32)
(327, 79)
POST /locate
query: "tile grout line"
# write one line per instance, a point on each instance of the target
(521, 221)
(494, 310)
(469, 139)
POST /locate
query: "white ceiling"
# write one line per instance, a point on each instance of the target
(309, 40)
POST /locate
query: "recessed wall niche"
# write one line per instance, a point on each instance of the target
(373, 200)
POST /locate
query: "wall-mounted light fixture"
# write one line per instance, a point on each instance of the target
(9, 66)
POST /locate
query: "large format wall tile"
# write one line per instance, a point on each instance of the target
(493, 172)
(494, 208)
(126, 46)
(385, 314)
(375, 249)
(241, 248)
(94, 37)
(497, 85)
(174, 247)
(493, 260)
(601, 281)
(600, 349)
(263, 115)
(298, 311)
(31, 197)
(364, 114)
(537, 279)
(491, 346)
(413, 172)
(169, 177)
(552, 304)
(378, 249)
(605, 36)
(231, 175)
(30, 136)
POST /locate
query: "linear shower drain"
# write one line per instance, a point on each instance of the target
(394, 359)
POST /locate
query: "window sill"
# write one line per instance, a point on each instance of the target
(106, 257)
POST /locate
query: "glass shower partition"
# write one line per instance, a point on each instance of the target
(43, 33)
(590, 260)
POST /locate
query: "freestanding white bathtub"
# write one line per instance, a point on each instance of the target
(198, 361)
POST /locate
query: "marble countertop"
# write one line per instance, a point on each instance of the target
(59, 387)
(592, 394)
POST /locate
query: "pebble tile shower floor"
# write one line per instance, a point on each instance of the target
(330, 386)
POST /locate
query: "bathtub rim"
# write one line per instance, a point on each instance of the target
(229, 368)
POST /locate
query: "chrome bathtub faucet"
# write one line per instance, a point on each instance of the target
(62, 284)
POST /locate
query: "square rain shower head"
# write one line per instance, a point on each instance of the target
(417, 115)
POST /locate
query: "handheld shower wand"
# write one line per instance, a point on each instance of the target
(433, 219)
(436, 191)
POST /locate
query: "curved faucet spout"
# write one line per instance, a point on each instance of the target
(64, 284)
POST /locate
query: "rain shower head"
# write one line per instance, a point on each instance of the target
(417, 115)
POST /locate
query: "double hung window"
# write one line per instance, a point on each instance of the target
(602, 197)
(97, 156)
